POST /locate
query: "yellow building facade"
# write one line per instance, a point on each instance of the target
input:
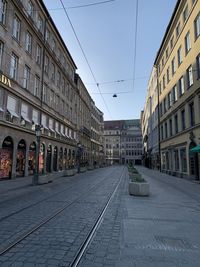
(178, 71)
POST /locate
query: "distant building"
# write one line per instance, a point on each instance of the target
(123, 142)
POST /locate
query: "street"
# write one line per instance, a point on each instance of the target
(48, 225)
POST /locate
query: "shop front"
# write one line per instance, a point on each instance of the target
(21, 158)
(6, 158)
(31, 158)
(48, 159)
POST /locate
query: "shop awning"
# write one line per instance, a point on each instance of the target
(195, 149)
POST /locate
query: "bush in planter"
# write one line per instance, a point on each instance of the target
(138, 185)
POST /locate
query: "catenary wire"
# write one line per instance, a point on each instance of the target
(97, 84)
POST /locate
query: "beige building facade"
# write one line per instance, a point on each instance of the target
(178, 69)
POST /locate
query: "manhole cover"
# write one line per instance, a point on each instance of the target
(174, 243)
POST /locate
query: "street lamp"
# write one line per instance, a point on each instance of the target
(38, 129)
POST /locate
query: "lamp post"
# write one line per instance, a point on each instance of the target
(38, 129)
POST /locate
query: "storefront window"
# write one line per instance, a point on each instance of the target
(61, 159)
(41, 159)
(31, 158)
(6, 153)
(55, 157)
(176, 159)
(21, 156)
(48, 160)
(183, 159)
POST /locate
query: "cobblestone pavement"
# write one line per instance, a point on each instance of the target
(161, 230)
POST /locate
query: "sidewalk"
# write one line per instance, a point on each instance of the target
(163, 229)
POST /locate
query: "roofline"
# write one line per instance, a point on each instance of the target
(52, 22)
(167, 30)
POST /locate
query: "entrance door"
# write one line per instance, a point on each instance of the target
(193, 160)
(48, 159)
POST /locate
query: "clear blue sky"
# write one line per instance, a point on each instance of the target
(106, 33)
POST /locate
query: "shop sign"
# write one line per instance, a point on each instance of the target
(5, 80)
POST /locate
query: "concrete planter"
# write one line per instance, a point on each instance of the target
(139, 188)
(83, 169)
(90, 168)
(44, 179)
(70, 172)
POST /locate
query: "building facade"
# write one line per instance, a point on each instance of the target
(123, 142)
(149, 124)
(178, 73)
(38, 87)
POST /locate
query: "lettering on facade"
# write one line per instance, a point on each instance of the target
(5, 80)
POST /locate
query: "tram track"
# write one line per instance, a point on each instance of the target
(7, 248)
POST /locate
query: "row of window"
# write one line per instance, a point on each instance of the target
(28, 42)
(175, 160)
(177, 123)
(178, 29)
(27, 114)
(166, 77)
(179, 89)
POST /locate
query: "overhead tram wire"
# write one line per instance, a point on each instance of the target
(79, 43)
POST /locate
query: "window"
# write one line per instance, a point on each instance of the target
(170, 127)
(168, 78)
(183, 159)
(176, 159)
(26, 80)
(37, 86)
(167, 52)
(183, 119)
(16, 28)
(14, 66)
(185, 13)
(178, 29)
(40, 23)
(52, 95)
(176, 123)
(172, 42)
(197, 26)
(44, 93)
(165, 105)
(187, 43)
(47, 35)
(58, 79)
(163, 81)
(30, 8)
(12, 106)
(44, 121)
(38, 54)
(24, 112)
(173, 66)
(3, 5)
(181, 86)
(53, 72)
(175, 93)
(189, 76)
(166, 130)
(46, 64)
(51, 125)
(35, 117)
(28, 42)
(163, 62)
(192, 114)
(53, 45)
(197, 63)
(169, 99)
(1, 53)
(179, 55)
